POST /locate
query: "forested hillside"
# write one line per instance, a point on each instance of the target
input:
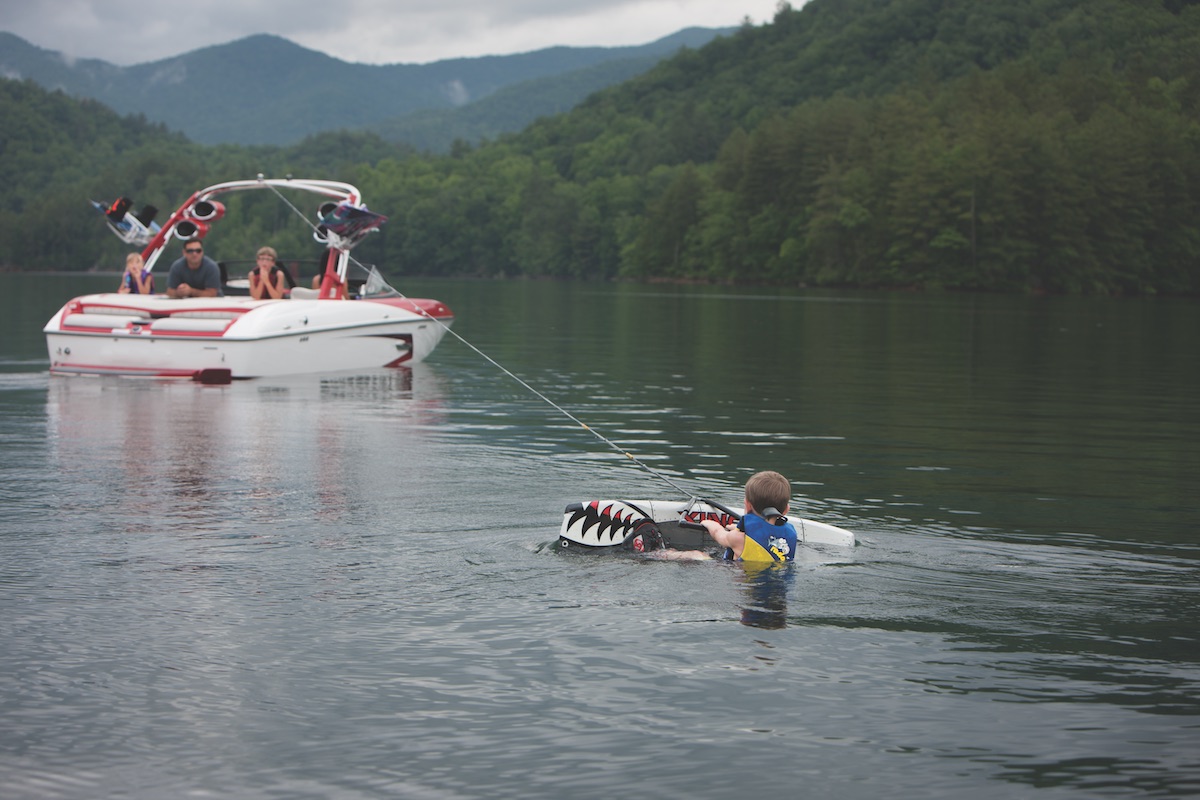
(1031, 145)
(57, 153)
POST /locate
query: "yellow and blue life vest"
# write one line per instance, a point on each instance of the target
(764, 541)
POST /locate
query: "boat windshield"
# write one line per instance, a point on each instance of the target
(373, 284)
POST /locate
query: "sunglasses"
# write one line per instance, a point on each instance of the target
(193, 250)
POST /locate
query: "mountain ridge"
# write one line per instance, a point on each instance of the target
(266, 89)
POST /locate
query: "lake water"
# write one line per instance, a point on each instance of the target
(347, 587)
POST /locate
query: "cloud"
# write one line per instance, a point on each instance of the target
(367, 31)
(457, 93)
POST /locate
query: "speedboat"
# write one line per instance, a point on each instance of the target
(353, 320)
(646, 525)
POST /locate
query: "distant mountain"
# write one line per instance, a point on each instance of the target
(267, 90)
(510, 109)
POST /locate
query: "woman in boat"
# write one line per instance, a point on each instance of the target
(136, 279)
(266, 279)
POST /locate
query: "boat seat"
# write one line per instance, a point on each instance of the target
(204, 313)
(234, 288)
(288, 279)
(110, 310)
(104, 320)
(190, 325)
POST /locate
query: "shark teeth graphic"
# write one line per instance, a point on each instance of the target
(605, 526)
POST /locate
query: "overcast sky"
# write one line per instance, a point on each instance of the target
(368, 31)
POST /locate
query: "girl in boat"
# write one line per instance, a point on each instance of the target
(136, 279)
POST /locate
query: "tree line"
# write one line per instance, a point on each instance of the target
(1036, 145)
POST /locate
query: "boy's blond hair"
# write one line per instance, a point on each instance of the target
(768, 490)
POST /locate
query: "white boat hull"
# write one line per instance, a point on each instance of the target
(237, 337)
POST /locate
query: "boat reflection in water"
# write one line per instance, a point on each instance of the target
(315, 444)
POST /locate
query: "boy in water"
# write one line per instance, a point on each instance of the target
(763, 534)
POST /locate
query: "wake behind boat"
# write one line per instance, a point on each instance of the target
(355, 320)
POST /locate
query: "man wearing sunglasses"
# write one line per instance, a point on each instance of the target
(194, 275)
